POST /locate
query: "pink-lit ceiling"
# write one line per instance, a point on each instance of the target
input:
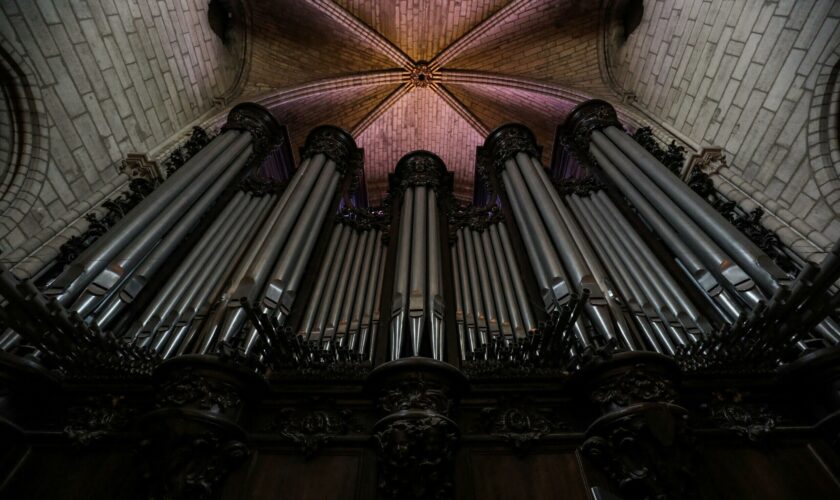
(350, 63)
(401, 129)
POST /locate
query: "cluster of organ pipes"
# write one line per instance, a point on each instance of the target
(491, 303)
(417, 306)
(342, 313)
(217, 259)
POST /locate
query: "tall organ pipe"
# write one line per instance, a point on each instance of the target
(614, 256)
(641, 270)
(574, 263)
(247, 124)
(470, 317)
(673, 241)
(81, 272)
(172, 225)
(758, 264)
(528, 320)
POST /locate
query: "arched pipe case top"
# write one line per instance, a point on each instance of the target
(264, 128)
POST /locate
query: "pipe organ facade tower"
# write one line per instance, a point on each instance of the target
(243, 334)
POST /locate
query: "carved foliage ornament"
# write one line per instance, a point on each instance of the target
(509, 140)
(260, 123)
(97, 417)
(519, 423)
(335, 144)
(633, 386)
(189, 388)
(588, 117)
(415, 458)
(416, 394)
(311, 428)
(648, 454)
(194, 469)
(728, 411)
(422, 169)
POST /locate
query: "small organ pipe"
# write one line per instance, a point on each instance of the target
(496, 286)
(641, 270)
(399, 307)
(374, 279)
(434, 299)
(617, 219)
(506, 287)
(485, 285)
(327, 267)
(341, 287)
(528, 320)
(612, 259)
(482, 317)
(459, 305)
(470, 316)
(366, 283)
(375, 316)
(319, 327)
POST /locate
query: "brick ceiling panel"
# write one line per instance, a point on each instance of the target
(547, 40)
(343, 108)
(295, 42)
(422, 28)
(495, 106)
(419, 120)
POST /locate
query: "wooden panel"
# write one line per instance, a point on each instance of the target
(778, 472)
(330, 475)
(501, 474)
(71, 472)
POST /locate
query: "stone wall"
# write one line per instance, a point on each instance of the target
(746, 75)
(114, 77)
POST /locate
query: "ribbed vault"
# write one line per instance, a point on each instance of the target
(402, 76)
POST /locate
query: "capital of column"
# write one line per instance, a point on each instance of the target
(421, 168)
(587, 117)
(334, 143)
(503, 143)
(257, 120)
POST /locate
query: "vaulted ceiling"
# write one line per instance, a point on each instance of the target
(402, 75)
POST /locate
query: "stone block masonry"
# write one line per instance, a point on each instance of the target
(743, 75)
(116, 76)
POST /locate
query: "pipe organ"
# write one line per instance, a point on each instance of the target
(592, 323)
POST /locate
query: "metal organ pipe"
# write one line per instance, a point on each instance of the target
(758, 265)
(697, 270)
(81, 272)
(329, 150)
